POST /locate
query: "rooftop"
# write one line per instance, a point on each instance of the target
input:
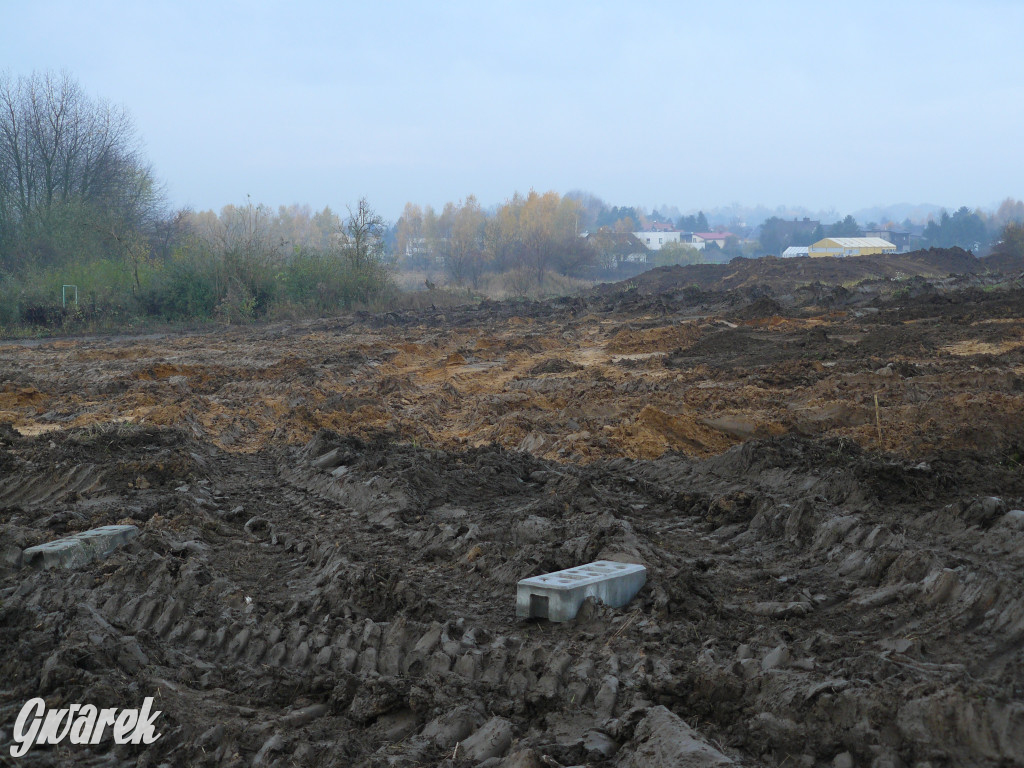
(860, 242)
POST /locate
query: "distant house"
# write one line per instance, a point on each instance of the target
(691, 239)
(850, 246)
(700, 240)
(417, 248)
(654, 239)
(614, 248)
(795, 250)
(902, 240)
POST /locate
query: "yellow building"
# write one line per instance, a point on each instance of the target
(850, 246)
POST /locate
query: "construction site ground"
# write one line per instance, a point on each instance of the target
(820, 465)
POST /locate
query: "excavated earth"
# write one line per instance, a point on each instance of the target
(822, 476)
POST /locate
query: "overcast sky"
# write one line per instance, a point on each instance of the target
(821, 104)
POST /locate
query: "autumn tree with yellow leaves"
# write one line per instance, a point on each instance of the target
(535, 234)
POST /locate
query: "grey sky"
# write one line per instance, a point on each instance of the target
(819, 104)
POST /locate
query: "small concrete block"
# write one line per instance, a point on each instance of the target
(558, 596)
(82, 548)
(777, 657)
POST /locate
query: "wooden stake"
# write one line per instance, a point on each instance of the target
(878, 423)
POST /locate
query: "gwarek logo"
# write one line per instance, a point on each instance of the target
(82, 724)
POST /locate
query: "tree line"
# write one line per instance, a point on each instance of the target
(532, 234)
(80, 206)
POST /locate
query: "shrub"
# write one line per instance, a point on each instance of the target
(237, 282)
(327, 280)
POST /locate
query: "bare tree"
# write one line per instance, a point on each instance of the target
(67, 161)
(364, 234)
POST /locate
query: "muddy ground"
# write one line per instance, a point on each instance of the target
(334, 515)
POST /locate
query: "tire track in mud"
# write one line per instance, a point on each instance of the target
(157, 622)
(873, 570)
(802, 603)
(48, 487)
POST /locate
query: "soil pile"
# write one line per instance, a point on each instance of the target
(783, 275)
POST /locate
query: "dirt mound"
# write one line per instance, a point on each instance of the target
(554, 365)
(659, 339)
(763, 307)
(655, 432)
(1010, 264)
(785, 275)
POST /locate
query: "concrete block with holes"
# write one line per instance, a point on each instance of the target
(558, 596)
(82, 548)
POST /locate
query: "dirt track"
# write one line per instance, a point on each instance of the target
(334, 515)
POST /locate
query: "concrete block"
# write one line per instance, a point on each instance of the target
(558, 596)
(82, 548)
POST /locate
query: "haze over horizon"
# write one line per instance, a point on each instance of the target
(652, 104)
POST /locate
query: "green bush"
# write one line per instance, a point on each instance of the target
(195, 283)
(198, 283)
(34, 296)
(330, 280)
(188, 286)
(672, 254)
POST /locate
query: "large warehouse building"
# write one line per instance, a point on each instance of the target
(850, 246)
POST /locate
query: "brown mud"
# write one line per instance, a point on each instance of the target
(333, 516)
